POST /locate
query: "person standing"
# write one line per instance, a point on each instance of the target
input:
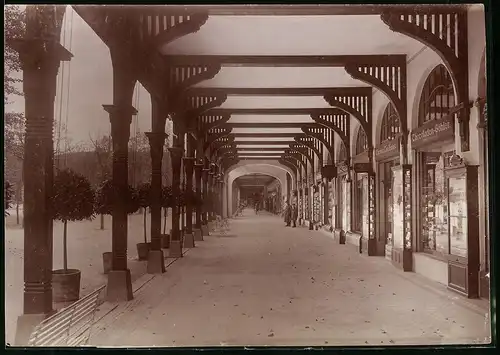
(288, 214)
(294, 214)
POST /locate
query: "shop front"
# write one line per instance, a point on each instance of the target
(358, 234)
(447, 222)
(343, 201)
(386, 157)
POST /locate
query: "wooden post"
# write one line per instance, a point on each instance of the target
(155, 257)
(188, 235)
(175, 241)
(40, 54)
(119, 286)
(198, 235)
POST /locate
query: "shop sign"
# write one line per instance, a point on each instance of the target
(342, 168)
(361, 157)
(388, 149)
(361, 167)
(434, 131)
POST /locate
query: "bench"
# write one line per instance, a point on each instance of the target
(71, 326)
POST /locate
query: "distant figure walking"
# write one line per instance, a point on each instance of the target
(294, 214)
(288, 214)
(257, 207)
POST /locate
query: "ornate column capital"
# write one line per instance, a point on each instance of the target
(189, 160)
(118, 112)
(156, 141)
(188, 166)
(156, 137)
(176, 152)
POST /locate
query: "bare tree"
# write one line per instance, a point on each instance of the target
(102, 147)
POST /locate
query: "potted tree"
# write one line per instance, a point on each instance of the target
(166, 203)
(72, 200)
(7, 197)
(104, 205)
(144, 196)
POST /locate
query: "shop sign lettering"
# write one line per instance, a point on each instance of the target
(438, 130)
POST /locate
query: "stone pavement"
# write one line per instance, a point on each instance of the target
(267, 284)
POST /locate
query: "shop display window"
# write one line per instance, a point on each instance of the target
(397, 208)
(436, 219)
(457, 202)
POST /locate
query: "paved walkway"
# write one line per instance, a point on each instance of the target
(264, 284)
(86, 243)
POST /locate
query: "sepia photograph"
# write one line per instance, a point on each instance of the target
(246, 175)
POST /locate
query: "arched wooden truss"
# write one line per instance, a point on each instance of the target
(431, 28)
(437, 99)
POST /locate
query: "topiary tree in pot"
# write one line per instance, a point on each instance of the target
(166, 203)
(7, 197)
(144, 199)
(104, 205)
(72, 200)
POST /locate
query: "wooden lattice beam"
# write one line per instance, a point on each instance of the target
(181, 77)
(275, 111)
(221, 141)
(322, 134)
(270, 125)
(296, 157)
(215, 134)
(195, 106)
(220, 149)
(261, 149)
(207, 122)
(445, 31)
(288, 163)
(158, 27)
(307, 142)
(390, 79)
(305, 151)
(339, 123)
(357, 102)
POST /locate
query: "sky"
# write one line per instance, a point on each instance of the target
(89, 77)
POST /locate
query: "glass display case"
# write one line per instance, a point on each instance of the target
(348, 205)
(331, 206)
(299, 204)
(344, 198)
(462, 203)
(402, 217)
(371, 206)
(397, 207)
(316, 206)
(434, 201)
(457, 202)
(307, 203)
(364, 207)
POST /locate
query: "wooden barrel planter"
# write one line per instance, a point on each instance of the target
(66, 285)
(143, 250)
(165, 241)
(107, 260)
(342, 237)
